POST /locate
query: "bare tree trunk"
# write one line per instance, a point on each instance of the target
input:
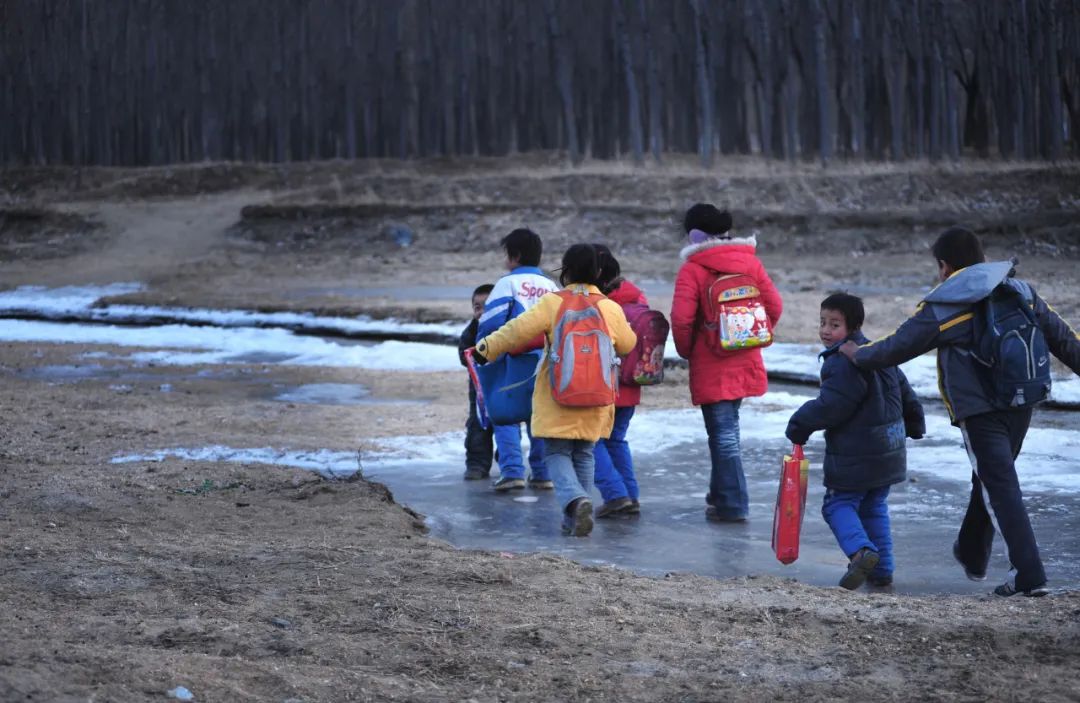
(821, 69)
(565, 82)
(1056, 122)
(704, 89)
(652, 81)
(894, 79)
(633, 116)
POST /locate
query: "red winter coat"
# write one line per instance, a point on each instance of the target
(718, 376)
(628, 294)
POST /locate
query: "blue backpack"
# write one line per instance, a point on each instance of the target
(1011, 347)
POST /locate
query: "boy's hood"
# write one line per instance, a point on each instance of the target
(971, 284)
(857, 336)
(718, 250)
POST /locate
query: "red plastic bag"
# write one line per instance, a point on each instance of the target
(790, 506)
(481, 406)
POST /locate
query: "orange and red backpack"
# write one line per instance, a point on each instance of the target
(583, 364)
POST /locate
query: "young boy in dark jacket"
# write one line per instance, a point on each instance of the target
(948, 320)
(478, 440)
(866, 415)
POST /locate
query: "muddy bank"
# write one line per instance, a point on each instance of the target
(256, 583)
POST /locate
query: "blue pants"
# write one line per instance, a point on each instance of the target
(993, 442)
(727, 483)
(511, 464)
(861, 519)
(614, 465)
(571, 464)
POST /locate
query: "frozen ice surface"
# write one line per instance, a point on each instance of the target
(187, 345)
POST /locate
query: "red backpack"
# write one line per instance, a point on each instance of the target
(644, 365)
(584, 367)
(735, 317)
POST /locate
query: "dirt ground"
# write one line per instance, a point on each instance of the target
(250, 582)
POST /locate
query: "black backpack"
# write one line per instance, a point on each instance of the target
(1011, 347)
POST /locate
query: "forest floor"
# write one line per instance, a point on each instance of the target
(248, 582)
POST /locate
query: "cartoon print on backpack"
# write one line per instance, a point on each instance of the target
(735, 316)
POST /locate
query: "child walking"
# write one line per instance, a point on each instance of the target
(478, 439)
(569, 433)
(513, 294)
(865, 415)
(985, 400)
(614, 475)
(719, 378)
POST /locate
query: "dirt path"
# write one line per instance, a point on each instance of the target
(146, 240)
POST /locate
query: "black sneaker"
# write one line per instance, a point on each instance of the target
(879, 581)
(544, 484)
(613, 507)
(509, 484)
(1009, 589)
(714, 515)
(578, 518)
(972, 575)
(634, 507)
(475, 475)
(862, 563)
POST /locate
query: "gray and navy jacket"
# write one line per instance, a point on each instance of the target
(866, 416)
(945, 321)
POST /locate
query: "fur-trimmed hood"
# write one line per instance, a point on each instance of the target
(692, 249)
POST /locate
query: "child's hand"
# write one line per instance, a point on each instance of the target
(795, 436)
(479, 358)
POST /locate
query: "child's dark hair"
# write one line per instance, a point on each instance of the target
(959, 248)
(708, 219)
(524, 245)
(848, 305)
(609, 269)
(580, 264)
(483, 290)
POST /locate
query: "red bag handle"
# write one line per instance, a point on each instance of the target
(796, 452)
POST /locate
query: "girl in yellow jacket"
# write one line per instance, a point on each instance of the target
(569, 433)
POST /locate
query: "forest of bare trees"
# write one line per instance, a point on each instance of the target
(161, 81)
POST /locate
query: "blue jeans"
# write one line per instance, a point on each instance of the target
(861, 519)
(511, 464)
(727, 484)
(570, 462)
(614, 465)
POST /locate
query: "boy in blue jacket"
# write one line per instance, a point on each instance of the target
(866, 415)
(948, 320)
(513, 294)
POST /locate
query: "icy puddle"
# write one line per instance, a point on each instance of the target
(670, 449)
(671, 533)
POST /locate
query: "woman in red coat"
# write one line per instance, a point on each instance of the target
(719, 380)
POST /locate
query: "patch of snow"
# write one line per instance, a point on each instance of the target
(245, 345)
(79, 301)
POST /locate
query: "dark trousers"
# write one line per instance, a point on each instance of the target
(479, 451)
(993, 442)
